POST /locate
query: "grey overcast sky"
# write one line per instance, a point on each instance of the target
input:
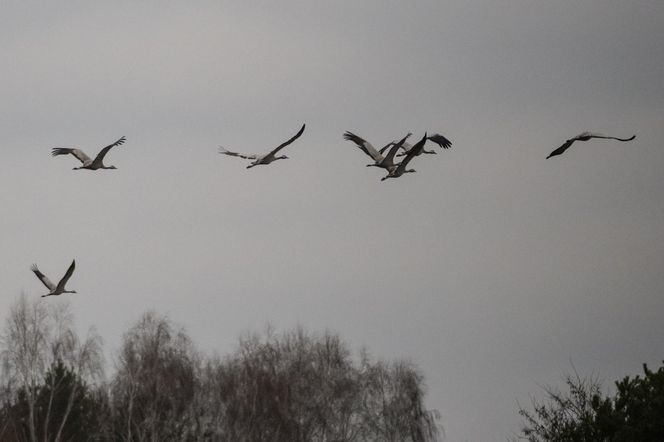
(491, 268)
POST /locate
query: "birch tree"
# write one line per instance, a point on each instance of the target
(155, 384)
(38, 335)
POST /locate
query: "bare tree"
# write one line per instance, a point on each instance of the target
(25, 352)
(572, 415)
(280, 387)
(154, 387)
(393, 403)
(35, 336)
(294, 386)
(304, 387)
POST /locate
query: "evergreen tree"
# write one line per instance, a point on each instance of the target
(635, 413)
(65, 406)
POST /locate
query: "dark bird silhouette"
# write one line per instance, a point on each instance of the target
(386, 162)
(585, 136)
(97, 163)
(55, 290)
(412, 153)
(263, 159)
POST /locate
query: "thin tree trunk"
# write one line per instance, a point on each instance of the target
(70, 403)
(31, 408)
(48, 413)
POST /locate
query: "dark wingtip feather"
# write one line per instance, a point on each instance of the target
(299, 132)
(441, 141)
(350, 136)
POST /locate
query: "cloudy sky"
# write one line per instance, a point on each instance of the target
(491, 268)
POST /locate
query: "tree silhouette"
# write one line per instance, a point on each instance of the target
(296, 386)
(301, 387)
(65, 409)
(153, 390)
(37, 339)
(635, 413)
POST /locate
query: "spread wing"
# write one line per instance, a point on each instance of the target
(562, 148)
(365, 146)
(78, 153)
(405, 145)
(440, 140)
(389, 159)
(43, 278)
(102, 153)
(585, 136)
(70, 270)
(235, 154)
(412, 153)
(286, 143)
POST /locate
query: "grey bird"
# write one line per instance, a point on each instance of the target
(585, 136)
(385, 162)
(412, 153)
(263, 159)
(55, 290)
(88, 163)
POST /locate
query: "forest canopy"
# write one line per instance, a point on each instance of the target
(293, 386)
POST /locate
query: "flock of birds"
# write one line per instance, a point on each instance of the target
(380, 159)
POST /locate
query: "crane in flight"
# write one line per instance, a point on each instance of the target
(412, 153)
(385, 162)
(88, 163)
(267, 158)
(584, 136)
(55, 290)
